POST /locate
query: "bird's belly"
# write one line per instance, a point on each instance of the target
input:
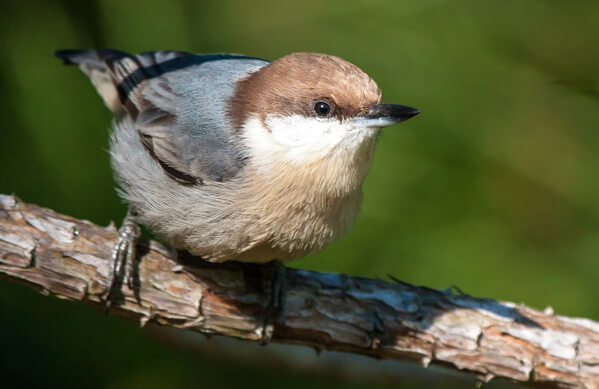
(296, 231)
(283, 231)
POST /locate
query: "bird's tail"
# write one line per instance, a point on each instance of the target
(94, 63)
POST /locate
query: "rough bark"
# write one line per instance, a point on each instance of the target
(62, 256)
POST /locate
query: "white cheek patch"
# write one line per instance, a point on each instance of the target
(298, 139)
(300, 131)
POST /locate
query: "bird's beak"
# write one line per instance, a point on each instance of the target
(382, 115)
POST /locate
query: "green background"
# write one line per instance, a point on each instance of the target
(492, 188)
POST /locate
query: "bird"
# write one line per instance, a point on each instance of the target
(233, 157)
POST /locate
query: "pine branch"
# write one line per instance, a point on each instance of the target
(62, 256)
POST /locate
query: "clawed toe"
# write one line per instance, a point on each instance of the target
(122, 258)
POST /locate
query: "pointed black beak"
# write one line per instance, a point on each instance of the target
(381, 115)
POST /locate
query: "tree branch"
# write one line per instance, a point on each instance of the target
(59, 255)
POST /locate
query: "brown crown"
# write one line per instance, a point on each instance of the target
(294, 83)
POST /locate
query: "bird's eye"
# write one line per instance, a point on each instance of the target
(322, 109)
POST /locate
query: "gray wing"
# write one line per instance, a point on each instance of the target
(178, 102)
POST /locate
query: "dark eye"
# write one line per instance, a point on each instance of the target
(322, 109)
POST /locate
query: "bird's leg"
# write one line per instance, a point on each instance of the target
(122, 257)
(274, 282)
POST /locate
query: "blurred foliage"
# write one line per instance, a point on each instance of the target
(493, 188)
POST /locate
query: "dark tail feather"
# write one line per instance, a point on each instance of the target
(95, 58)
(67, 55)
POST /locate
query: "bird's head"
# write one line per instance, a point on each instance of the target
(308, 106)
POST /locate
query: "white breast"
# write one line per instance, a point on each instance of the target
(306, 175)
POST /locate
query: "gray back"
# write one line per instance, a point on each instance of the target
(203, 134)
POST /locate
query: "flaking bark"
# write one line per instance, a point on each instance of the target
(59, 255)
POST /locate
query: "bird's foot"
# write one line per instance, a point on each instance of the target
(274, 282)
(122, 259)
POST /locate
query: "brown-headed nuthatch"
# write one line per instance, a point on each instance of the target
(237, 158)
